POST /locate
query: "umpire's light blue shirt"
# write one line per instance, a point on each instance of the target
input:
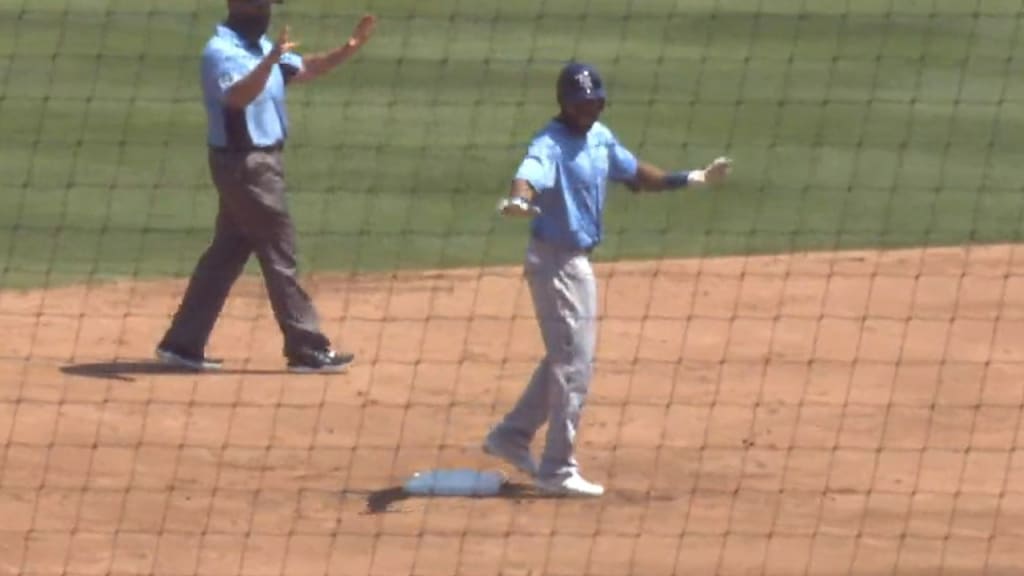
(227, 58)
(570, 172)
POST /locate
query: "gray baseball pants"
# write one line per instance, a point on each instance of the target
(253, 217)
(564, 292)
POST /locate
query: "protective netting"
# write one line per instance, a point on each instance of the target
(816, 369)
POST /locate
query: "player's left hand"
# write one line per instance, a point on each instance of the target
(715, 172)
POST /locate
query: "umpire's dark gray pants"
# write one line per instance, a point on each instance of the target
(252, 218)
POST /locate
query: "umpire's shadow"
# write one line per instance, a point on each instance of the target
(128, 370)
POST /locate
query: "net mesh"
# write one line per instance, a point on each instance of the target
(816, 369)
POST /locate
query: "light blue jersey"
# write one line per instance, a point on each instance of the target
(227, 58)
(570, 173)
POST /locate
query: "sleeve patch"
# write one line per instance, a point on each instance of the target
(228, 79)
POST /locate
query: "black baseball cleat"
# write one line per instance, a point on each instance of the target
(180, 358)
(325, 360)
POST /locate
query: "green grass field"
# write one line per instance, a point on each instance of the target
(853, 124)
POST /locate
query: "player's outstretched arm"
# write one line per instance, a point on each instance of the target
(650, 178)
(316, 65)
(519, 201)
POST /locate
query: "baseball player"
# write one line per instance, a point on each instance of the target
(561, 186)
(244, 77)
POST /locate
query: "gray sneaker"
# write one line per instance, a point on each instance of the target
(519, 457)
(179, 358)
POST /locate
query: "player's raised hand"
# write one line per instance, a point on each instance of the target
(363, 30)
(283, 45)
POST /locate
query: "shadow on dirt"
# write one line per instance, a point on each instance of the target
(388, 499)
(127, 370)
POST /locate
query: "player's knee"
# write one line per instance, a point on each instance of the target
(574, 376)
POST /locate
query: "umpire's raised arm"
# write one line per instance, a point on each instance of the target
(244, 91)
(316, 65)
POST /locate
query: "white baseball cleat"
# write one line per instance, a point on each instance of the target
(519, 457)
(574, 485)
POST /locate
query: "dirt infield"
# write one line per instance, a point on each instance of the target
(826, 414)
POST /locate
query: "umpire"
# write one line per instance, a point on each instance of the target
(244, 79)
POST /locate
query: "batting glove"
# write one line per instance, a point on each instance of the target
(516, 206)
(714, 173)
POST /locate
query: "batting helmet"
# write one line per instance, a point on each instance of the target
(578, 82)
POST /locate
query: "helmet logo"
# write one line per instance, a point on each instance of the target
(585, 81)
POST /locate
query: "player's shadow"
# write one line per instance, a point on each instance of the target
(389, 499)
(128, 370)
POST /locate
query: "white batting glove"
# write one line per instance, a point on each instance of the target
(517, 206)
(714, 173)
